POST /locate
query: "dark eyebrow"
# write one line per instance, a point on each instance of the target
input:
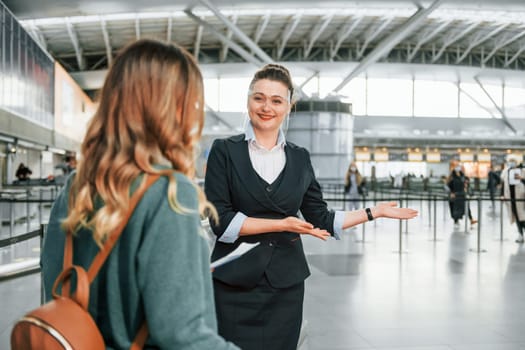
(272, 96)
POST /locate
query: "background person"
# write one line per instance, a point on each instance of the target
(493, 182)
(23, 172)
(353, 187)
(458, 184)
(149, 119)
(259, 182)
(513, 191)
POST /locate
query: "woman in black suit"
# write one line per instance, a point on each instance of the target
(259, 182)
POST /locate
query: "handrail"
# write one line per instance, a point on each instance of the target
(19, 269)
(22, 268)
(19, 238)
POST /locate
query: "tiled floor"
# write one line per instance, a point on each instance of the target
(435, 295)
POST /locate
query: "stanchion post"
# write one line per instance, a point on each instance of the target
(42, 294)
(406, 221)
(465, 214)
(447, 201)
(40, 207)
(11, 215)
(429, 210)
(478, 249)
(28, 214)
(501, 219)
(400, 236)
(435, 218)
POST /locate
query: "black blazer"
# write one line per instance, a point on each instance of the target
(232, 185)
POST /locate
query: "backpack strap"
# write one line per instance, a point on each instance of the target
(99, 259)
(140, 338)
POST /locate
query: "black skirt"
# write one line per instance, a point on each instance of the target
(261, 318)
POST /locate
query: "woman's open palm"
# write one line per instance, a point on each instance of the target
(390, 210)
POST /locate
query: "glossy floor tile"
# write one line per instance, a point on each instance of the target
(400, 288)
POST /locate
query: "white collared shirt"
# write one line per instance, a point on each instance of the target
(268, 164)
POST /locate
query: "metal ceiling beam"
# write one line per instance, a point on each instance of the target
(316, 74)
(388, 43)
(225, 46)
(515, 57)
(317, 31)
(503, 115)
(197, 45)
(504, 43)
(261, 27)
(372, 34)
(76, 45)
(452, 39)
(343, 34)
(107, 42)
(287, 33)
(426, 37)
(239, 33)
(234, 46)
(37, 35)
(481, 38)
(473, 99)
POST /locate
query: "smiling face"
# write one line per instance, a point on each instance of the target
(268, 105)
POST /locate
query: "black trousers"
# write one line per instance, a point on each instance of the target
(262, 318)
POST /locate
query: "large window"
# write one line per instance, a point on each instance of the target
(389, 97)
(475, 103)
(233, 94)
(435, 99)
(514, 102)
(26, 74)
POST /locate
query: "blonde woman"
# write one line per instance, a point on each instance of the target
(258, 181)
(149, 119)
(353, 190)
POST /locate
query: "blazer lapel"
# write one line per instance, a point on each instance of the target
(240, 158)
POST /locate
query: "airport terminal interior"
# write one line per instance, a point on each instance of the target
(404, 90)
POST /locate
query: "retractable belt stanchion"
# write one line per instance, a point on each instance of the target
(28, 214)
(363, 226)
(465, 214)
(478, 249)
(501, 219)
(435, 219)
(401, 251)
(42, 294)
(429, 210)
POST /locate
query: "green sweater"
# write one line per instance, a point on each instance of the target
(158, 270)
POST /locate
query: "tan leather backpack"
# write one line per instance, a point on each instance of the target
(65, 323)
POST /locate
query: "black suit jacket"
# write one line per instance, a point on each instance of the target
(232, 185)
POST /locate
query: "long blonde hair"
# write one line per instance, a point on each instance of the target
(151, 109)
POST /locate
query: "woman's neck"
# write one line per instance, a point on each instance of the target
(267, 139)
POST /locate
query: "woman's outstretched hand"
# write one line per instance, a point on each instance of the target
(293, 224)
(390, 210)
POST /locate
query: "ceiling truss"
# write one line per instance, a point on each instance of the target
(267, 36)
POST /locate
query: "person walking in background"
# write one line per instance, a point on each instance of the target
(23, 172)
(353, 187)
(458, 184)
(513, 192)
(493, 181)
(149, 119)
(259, 182)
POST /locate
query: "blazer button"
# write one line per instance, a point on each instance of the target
(268, 189)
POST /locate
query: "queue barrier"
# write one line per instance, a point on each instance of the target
(334, 194)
